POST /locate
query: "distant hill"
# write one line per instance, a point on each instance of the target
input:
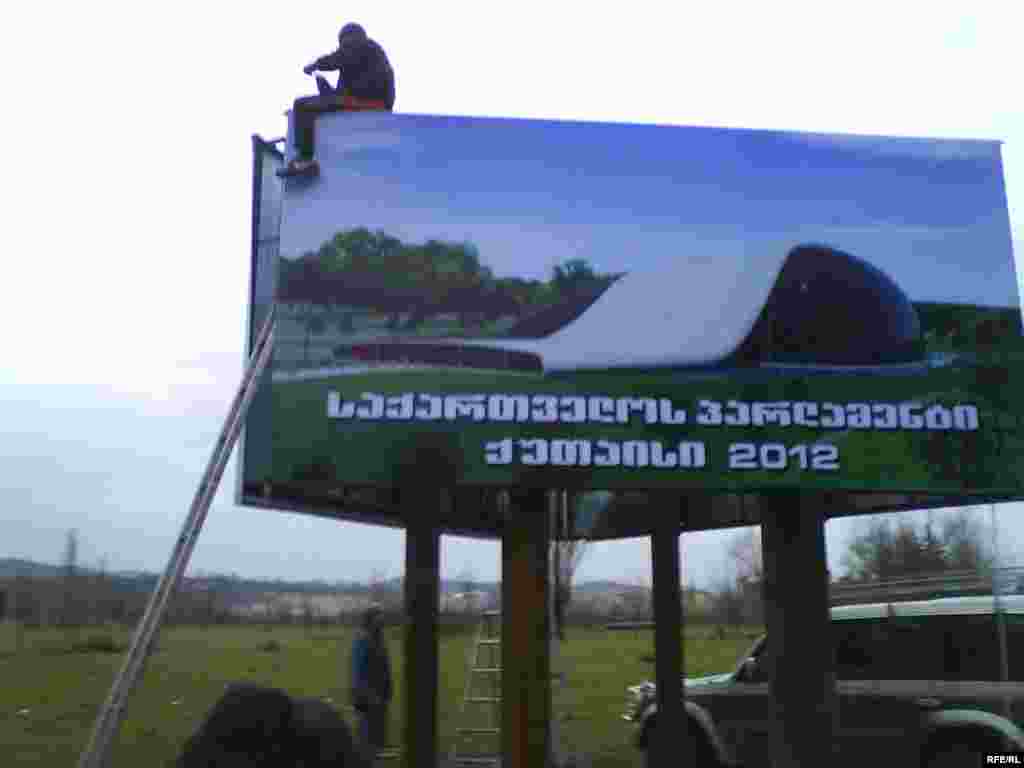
(142, 581)
(11, 567)
(596, 587)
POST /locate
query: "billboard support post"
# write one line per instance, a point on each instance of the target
(422, 590)
(671, 733)
(525, 645)
(557, 504)
(801, 669)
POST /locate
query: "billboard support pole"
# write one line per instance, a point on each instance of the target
(422, 593)
(525, 644)
(558, 521)
(801, 668)
(109, 719)
(671, 742)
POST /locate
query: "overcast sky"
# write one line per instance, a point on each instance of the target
(129, 172)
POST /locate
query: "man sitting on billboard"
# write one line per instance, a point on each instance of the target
(365, 82)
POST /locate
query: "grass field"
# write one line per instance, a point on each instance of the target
(50, 693)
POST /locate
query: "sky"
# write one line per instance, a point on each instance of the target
(129, 181)
(632, 198)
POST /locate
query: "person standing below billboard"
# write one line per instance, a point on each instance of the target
(365, 82)
(371, 682)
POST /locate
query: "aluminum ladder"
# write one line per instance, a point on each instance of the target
(478, 739)
(112, 713)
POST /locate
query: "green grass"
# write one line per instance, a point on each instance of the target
(62, 689)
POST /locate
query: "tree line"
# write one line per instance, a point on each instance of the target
(887, 548)
(416, 281)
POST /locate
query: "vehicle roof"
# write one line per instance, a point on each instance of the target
(946, 606)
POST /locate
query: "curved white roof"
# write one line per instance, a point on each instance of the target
(947, 606)
(693, 310)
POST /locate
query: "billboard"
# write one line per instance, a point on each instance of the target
(490, 303)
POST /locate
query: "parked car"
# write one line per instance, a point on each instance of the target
(918, 683)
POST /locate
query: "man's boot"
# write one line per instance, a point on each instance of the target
(300, 168)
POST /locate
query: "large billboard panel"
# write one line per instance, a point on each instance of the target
(495, 303)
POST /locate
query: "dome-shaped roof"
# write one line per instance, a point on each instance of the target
(828, 307)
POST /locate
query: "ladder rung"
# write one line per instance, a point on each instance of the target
(482, 731)
(490, 642)
(484, 699)
(487, 669)
(477, 760)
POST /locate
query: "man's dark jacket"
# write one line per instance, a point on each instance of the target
(365, 71)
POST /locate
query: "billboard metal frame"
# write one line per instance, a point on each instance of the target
(260, 149)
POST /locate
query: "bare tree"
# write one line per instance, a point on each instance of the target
(70, 561)
(893, 547)
(738, 591)
(569, 551)
(69, 573)
(966, 535)
(744, 552)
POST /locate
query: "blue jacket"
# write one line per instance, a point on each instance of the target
(371, 668)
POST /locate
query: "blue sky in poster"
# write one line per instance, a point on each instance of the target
(529, 194)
